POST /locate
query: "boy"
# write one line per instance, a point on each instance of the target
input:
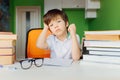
(61, 43)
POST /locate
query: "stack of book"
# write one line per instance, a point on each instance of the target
(7, 47)
(102, 46)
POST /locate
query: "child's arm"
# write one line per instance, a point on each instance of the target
(41, 42)
(76, 53)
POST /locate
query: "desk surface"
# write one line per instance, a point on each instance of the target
(77, 71)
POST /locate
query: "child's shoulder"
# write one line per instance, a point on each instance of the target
(51, 36)
(77, 35)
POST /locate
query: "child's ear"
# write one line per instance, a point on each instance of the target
(67, 24)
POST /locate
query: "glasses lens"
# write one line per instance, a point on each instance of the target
(26, 64)
(38, 62)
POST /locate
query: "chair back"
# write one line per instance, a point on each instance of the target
(32, 51)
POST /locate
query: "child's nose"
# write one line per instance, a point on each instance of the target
(56, 25)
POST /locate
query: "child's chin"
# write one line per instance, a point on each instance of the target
(57, 33)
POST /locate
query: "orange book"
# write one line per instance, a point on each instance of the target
(113, 37)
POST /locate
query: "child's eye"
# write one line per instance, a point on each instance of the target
(59, 21)
(50, 25)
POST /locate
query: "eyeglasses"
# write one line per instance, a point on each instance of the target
(27, 63)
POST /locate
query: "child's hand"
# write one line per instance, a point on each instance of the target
(45, 26)
(72, 29)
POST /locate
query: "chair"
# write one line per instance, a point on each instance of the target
(32, 51)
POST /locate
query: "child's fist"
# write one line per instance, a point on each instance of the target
(72, 29)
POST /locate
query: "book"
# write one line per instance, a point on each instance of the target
(102, 37)
(105, 53)
(7, 51)
(7, 59)
(103, 49)
(102, 59)
(57, 62)
(8, 36)
(7, 43)
(109, 32)
(6, 33)
(101, 43)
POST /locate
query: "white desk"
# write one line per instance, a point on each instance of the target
(82, 71)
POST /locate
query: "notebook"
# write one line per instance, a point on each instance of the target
(57, 62)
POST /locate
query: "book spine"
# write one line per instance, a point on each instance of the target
(13, 37)
(105, 53)
(102, 59)
(102, 37)
(7, 60)
(88, 43)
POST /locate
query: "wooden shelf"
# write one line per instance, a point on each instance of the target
(73, 3)
(90, 6)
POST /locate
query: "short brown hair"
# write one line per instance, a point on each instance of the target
(51, 14)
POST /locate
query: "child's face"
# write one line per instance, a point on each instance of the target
(58, 26)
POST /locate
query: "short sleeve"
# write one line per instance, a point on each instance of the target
(49, 41)
(78, 39)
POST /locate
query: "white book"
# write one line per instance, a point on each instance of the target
(8, 36)
(57, 62)
(102, 59)
(105, 53)
(101, 43)
(103, 32)
(7, 43)
(103, 49)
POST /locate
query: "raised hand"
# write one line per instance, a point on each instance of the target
(72, 29)
(46, 26)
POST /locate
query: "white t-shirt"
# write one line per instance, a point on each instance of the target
(61, 49)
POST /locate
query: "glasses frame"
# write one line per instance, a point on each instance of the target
(31, 60)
